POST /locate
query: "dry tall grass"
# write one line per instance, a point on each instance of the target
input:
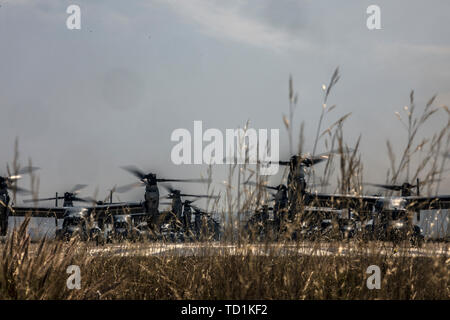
(39, 272)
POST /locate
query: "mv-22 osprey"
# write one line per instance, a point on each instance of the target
(76, 217)
(388, 217)
(152, 195)
(8, 183)
(181, 211)
(86, 221)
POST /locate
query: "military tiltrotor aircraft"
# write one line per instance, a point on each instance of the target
(90, 219)
(315, 221)
(178, 222)
(152, 195)
(387, 217)
(382, 209)
(69, 197)
(281, 200)
(259, 224)
(177, 229)
(205, 225)
(86, 221)
(129, 227)
(280, 208)
(177, 203)
(287, 198)
(405, 188)
(297, 185)
(9, 183)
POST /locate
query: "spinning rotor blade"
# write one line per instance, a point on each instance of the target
(386, 186)
(282, 163)
(405, 185)
(169, 188)
(309, 160)
(19, 190)
(135, 171)
(199, 196)
(77, 188)
(142, 176)
(185, 180)
(41, 199)
(335, 151)
(261, 185)
(312, 161)
(88, 199)
(19, 173)
(80, 199)
(128, 187)
(26, 170)
(14, 178)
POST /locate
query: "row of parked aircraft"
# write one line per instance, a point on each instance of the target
(308, 214)
(107, 219)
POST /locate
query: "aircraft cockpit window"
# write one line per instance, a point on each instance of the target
(397, 203)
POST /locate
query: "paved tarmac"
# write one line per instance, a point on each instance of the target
(299, 249)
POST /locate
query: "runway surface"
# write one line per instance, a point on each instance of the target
(272, 249)
(305, 248)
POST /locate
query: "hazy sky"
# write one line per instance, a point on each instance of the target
(85, 102)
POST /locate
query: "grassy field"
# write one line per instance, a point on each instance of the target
(38, 271)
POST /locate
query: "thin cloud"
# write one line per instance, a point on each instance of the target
(227, 20)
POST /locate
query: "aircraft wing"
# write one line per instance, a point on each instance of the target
(98, 211)
(340, 201)
(424, 203)
(43, 212)
(117, 209)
